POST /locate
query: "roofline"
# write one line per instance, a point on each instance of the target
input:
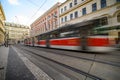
(25, 26)
(53, 7)
(63, 3)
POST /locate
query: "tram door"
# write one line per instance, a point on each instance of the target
(33, 41)
(47, 41)
(118, 37)
(84, 39)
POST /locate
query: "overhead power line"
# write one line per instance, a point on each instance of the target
(33, 3)
(37, 10)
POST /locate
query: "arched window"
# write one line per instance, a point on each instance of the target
(118, 17)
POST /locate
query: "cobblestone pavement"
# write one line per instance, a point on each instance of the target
(3, 61)
(16, 64)
(16, 69)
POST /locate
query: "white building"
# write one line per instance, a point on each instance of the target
(75, 11)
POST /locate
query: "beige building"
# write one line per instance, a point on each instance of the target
(16, 32)
(2, 29)
(75, 11)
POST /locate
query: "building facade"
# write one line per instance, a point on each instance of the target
(75, 11)
(16, 32)
(46, 22)
(2, 29)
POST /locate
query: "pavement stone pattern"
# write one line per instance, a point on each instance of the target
(55, 72)
(107, 72)
(3, 61)
(37, 72)
(16, 69)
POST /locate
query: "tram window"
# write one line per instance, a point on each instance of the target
(94, 33)
(42, 37)
(54, 36)
(70, 34)
(39, 37)
(104, 21)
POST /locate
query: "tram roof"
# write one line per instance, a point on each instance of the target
(75, 26)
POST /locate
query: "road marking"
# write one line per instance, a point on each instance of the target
(36, 71)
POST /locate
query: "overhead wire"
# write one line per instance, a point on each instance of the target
(30, 1)
(37, 10)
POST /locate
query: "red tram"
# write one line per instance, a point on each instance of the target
(81, 37)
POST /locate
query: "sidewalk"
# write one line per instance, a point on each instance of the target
(16, 68)
(3, 61)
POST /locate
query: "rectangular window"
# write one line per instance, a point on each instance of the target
(70, 5)
(103, 3)
(76, 14)
(62, 10)
(65, 18)
(71, 16)
(75, 2)
(83, 11)
(61, 20)
(118, 0)
(65, 8)
(94, 7)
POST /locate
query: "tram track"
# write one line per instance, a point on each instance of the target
(83, 58)
(66, 66)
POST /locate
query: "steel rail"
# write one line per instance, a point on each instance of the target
(78, 57)
(67, 66)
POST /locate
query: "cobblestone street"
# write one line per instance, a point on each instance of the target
(45, 64)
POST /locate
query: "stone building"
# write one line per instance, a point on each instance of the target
(76, 11)
(16, 32)
(2, 29)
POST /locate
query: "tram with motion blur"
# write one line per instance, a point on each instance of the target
(80, 36)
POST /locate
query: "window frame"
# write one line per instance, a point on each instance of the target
(94, 7)
(62, 20)
(117, 0)
(65, 18)
(75, 2)
(65, 8)
(71, 16)
(103, 3)
(61, 10)
(76, 14)
(70, 5)
(84, 11)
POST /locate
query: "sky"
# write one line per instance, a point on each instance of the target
(26, 11)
